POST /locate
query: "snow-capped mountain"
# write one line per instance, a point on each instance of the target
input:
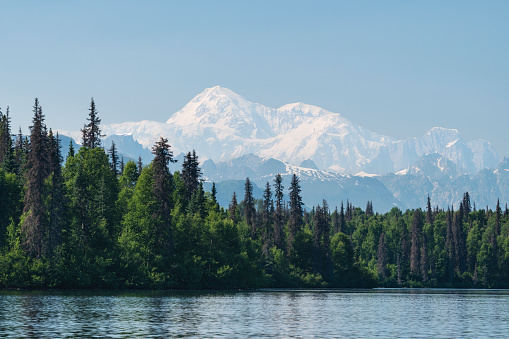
(221, 125)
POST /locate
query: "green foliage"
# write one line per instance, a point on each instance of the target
(147, 228)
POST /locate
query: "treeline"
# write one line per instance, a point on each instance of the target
(97, 222)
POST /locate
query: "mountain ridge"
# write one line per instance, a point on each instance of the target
(221, 125)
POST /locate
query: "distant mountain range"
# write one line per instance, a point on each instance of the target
(335, 158)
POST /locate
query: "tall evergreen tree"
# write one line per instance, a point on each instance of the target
(416, 242)
(71, 150)
(318, 231)
(249, 208)
(321, 244)
(429, 214)
(20, 154)
(191, 173)
(342, 220)
(114, 158)
(449, 244)
(348, 215)
(34, 223)
(163, 188)
(140, 165)
(56, 197)
(369, 208)
(9, 161)
(6, 147)
(498, 215)
(232, 209)
(335, 220)
(295, 221)
(279, 212)
(91, 132)
(459, 240)
(268, 206)
(467, 207)
(213, 193)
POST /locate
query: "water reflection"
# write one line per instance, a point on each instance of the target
(383, 313)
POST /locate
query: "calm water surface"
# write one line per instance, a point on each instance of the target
(382, 313)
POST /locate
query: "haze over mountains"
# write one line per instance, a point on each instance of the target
(335, 158)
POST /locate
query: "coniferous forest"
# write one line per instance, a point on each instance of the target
(95, 222)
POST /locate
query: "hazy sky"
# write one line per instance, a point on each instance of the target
(395, 67)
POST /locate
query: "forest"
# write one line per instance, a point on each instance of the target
(95, 222)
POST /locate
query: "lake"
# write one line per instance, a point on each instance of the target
(378, 313)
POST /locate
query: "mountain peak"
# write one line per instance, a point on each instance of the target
(218, 91)
(302, 108)
(211, 104)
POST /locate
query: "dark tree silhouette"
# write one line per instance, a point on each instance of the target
(191, 173)
(114, 158)
(295, 221)
(249, 208)
(416, 242)
(232, 209)
(37, 170)
(279, 213)
(163, 188)
(91, 132)
(268, 207)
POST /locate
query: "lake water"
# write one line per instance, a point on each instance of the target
(379, 313)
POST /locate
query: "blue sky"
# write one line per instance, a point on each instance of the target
(395, 67)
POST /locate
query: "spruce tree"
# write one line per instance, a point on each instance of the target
(34, 223)
(279, 212)
(369, 208)
(249, 208)
(213, 193)
(267, 215)
(416, 243)
(20, 154)
(56, 196)
(163, 188)
(140, 165)
(335, 220)
(114, 158)
(429, 214)
(467, 207)
(6, 150)
(449, 244)
(459, 238)
(191, 173)
(91, 132)
(232, 208)
(318, 231)
(498, 215)
(8, 159)
(321, 243)
(70, 154)
(295, 221)
(342, 220)
(349, 209)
